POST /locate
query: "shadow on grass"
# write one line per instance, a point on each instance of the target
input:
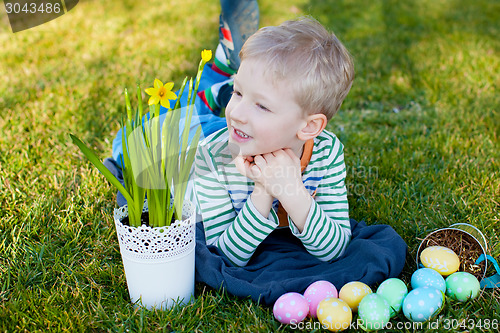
(382, 36)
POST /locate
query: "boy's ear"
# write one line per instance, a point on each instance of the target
(315, 123)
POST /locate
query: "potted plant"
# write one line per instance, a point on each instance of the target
(157, 234)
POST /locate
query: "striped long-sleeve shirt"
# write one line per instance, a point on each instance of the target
(236, 227)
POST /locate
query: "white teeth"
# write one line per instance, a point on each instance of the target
(243, 135)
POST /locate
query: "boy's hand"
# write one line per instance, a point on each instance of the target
(261, 199)
(277, 172)
(243, 165)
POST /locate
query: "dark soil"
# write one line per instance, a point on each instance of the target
(144, 219)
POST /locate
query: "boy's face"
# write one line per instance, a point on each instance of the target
(262, 115)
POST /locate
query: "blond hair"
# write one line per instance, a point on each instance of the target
(315, 63)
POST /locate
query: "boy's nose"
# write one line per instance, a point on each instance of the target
(237, 112)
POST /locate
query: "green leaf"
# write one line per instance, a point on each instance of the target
(191, 155)
(138, 194)
(139, 100)
(92, 157)
(127, 104)
(181, 91)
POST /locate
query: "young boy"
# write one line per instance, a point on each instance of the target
(270, 182)
(275, 166)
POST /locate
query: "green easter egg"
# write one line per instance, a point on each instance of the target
(374, 312)
(394, 291)
(462, 286)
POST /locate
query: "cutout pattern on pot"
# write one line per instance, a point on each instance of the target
(144, 242)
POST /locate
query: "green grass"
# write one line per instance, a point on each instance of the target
(420, 128)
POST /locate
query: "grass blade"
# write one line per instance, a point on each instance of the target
(92, 157)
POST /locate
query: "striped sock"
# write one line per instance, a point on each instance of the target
(221, 63)
(211, 98)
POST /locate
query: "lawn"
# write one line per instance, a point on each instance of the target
(420, 127)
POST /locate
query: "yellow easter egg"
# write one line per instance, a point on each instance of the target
(441, 259)
(334, 314)
(353, 292)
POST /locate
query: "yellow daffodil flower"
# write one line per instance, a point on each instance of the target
(206, 55)
(161, 93)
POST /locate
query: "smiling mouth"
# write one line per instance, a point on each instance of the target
(240, 133)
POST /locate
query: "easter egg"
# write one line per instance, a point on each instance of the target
(441, 259)
(334, 314)
(394, 291)
(374, 312)
(317, 292)
(462, 286)
(427, 277)
(353, 292)
(423, 303)
(290, 308)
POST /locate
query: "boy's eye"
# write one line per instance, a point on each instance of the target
(236, 92)
(262, 107)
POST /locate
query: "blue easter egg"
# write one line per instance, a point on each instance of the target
(428, 277)
(423, 303)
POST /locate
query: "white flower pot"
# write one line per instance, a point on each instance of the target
(158, 262)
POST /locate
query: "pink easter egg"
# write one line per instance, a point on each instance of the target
(317, 292)
(290, 308)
